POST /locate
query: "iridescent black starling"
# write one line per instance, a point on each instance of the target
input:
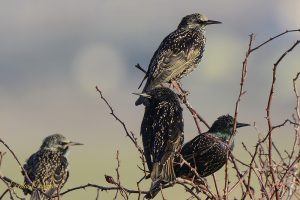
(162, 133)
(48, 167)
(207, 152)
(179, 53)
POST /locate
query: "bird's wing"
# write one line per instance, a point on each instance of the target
(175, 54)
(167, 141)
(147, 137)
(198, 146)
(47, 170)
(30, 168)
(168, 132)
(155, 137)
(171, 65)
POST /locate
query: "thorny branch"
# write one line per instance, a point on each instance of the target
(16, 158)
(268, 109)
(130, 134)
(272, 38)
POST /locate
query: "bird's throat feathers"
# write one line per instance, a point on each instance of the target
(224, 136)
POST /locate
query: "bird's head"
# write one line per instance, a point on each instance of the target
(196, 20)
(158, 95)
(57, 142)
(223, 127)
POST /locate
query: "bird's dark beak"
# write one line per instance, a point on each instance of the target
(208, 22)
(74, 143)
(239, 125)
(142, 94)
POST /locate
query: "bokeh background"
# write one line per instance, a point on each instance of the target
(54, 53)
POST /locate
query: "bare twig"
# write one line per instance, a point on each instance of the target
(16, 158)
(243, 77)
(268, 109)
(274, 37)
(102, 188)
(130, 134)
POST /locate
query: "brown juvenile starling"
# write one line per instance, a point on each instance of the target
(162, 133)
(48, 167)
(207, 152)
(178, 54)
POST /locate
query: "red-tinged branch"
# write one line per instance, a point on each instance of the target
(130, 134)
(102, 188)
(268, 109)
(274, 37)
(16, 158)
(241, 93)
(243, 77)
(297, 107)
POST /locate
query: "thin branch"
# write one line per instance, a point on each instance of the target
(269, 117)
(130, 134)
(272, 38)
(243, 77)
(102, 188)
(16, 158)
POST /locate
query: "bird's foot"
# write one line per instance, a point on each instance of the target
(183, 96)
(182, 93)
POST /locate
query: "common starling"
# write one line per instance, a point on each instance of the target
(162, 133)
(179, 53)
(48, 167)
(207, 152)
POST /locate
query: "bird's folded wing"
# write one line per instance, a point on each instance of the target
(173, 64)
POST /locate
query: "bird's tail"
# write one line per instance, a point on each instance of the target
(152, 193)
(37, 195)
(139, 101)
(160, 175)
(163, 172)
(142, 99)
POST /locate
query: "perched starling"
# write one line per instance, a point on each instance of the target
(162, 133)
(178, 54)
(207, 152)
(48, 167)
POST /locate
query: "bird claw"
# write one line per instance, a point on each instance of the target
(183, 95)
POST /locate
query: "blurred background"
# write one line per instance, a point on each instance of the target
(54, 53)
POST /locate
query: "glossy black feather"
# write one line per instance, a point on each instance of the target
(207, 152)
(162, 129)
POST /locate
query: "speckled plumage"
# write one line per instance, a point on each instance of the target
(207, 152)
(179, 53)
(162, 133)
(48, 167)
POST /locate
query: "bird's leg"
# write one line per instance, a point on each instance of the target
(183, 93)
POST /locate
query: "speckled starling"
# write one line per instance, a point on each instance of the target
(179, 53)
(48, 167)
(207, 152)
(162, 133)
